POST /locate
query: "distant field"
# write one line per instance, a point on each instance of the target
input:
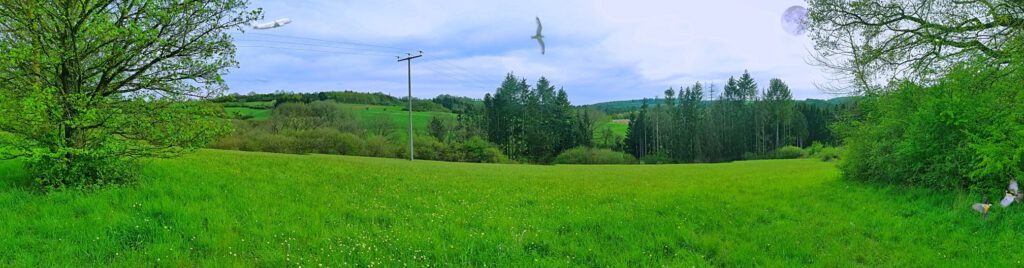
(229, 209)
(619, 128)
(257, 114)
(420, 120)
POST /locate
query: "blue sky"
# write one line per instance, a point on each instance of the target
(597, 50)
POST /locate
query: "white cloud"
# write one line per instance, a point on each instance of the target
(597, 50)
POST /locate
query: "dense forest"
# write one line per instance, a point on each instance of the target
(737, 123)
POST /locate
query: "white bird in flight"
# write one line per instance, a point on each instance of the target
(272, 24)
(1013, 194)
(539, 37)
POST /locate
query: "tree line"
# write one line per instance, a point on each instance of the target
(737, 123)
(534, 124)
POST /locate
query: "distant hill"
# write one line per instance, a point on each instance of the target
(441, 103)
(624, 106)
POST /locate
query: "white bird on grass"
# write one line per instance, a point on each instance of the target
(983, 207)
(272, 24)
(539, 37)
(1013, 194)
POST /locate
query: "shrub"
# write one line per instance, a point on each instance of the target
(478, 150)
(814, 149)
(426, 147)
(658, 158)
(587, 155)
(789, 152)
(327, 141)
(962, 132)
(750, 156)
(380, 146)
(83, 172)
(828, 154)
(273, 143)
(320, 114)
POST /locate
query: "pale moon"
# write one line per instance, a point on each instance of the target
(794, 19)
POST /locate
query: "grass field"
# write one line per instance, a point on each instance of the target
(257, 114)
(619, 127)
(226, 208)
(420, 120)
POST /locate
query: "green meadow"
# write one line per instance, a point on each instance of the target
(399, 117)
(256, 114)
(227, 208)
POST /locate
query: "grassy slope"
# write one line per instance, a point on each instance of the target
(420, 120)
(225, 208)
(257, 114)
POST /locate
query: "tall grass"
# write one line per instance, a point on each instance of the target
(226, 208)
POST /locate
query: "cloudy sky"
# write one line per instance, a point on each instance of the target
(597, 50)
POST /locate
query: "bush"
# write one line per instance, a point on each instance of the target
(320, 114)
(426, 147)
(750, 156)
(478, 150)
(85, 172)
(380, 146)
(327, 141)
(960, 133)
(658, 158)
(273, 143)
(587, 155)
(814, 149)
(828, 154)
(789, 152)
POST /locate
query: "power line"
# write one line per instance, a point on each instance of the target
(331, 41)
(311, 45)
(438, 69)
(315, 50)
(475, 76)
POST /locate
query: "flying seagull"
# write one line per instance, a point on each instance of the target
(539, 37)
(983, 207)
(1013, 194)
(272, 24)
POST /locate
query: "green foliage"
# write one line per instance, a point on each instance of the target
(425, 106)
(380, 146)
(380, 125)
(964, 132)
(439, 128)
(789, 152)
(873, 41)
(814, 149)
(536, 123)
(459, 105)
(90, 86)
(739, 124)
(479, 150)
(829, 154)
(657, 158)
(83, 172)
(320, 114)
(587, 155)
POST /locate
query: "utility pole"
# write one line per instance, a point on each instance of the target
(408, 59)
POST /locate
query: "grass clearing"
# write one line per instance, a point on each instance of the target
(227, 208)
(257, 114)
(400, 118)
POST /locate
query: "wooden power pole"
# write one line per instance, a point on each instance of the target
(408, 60)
